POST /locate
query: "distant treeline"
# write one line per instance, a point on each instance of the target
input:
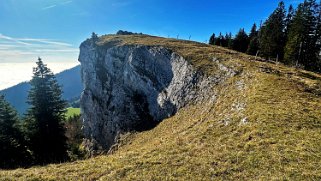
(292, 37)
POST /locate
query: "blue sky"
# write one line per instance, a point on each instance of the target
(55, 28)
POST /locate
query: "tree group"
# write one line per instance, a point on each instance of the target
(292, 37)
(39, 138)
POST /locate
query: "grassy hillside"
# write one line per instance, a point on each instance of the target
(265, 125)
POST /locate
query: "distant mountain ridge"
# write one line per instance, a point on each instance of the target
(69, 79)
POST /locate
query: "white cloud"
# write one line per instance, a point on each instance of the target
(49, 7)
(66, 2)
(28, 49)
(56, 5)
(46, 41)
(17, 57)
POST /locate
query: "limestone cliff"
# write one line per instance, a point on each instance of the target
(132, 87)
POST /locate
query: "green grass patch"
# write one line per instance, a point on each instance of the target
(72, 111)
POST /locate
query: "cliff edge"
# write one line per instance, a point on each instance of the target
(132, 86)
(218, 115)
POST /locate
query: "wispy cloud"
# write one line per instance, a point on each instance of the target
(56, 5)
(14, 49)
(49, 7)
(17, 57)
(66, 2)
(46, 41)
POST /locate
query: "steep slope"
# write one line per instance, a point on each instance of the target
(132, 87)
(264, 123)
(69, 79)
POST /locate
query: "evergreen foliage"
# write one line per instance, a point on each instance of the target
(212, 39)
(254, 43)
(75, 136)
(272, 37)
(44, 120)
(241, 41)
(229, 40)
(302, 47)
(288, 21)
(13, 151)
(219, 41)
(293, 37)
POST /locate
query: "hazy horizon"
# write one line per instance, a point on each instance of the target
(12, 74)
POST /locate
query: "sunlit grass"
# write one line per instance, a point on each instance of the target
(72, 112)
(264, 125)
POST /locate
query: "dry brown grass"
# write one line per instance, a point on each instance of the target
(265, 125)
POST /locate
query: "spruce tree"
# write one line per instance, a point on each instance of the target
(13, 151)
(318, 38)
(229, 39)
(44, 119)
(288, 21)
(241, 41)
(219, 40)
(212, 39)
(293, 48)
(302, 47)
(253, 44)
(272, 37)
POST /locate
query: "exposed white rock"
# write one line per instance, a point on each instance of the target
(133, 87)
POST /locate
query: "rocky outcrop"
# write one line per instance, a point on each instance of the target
(134, 87)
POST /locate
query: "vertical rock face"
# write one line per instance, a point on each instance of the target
(132, 88)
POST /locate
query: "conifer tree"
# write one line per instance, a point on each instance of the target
(13, 152)
(318, 39)
(240, 42)
(229, 39)
(302, 47)
(272, 38)
(212, 39)
(219, 40)
(44, 120)
(288, 20)
(253, 44)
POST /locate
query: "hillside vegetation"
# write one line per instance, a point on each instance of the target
(72, 112)
(265, 124)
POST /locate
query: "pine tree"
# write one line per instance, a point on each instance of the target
(229, 40)
(219, 40)
(302, 47)
(44, 120)
(272, 38)
(318, 39)
(241, 41)
(253, 38)
(295, 37)
(288, 20)
(212, 39)
(13, 152)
